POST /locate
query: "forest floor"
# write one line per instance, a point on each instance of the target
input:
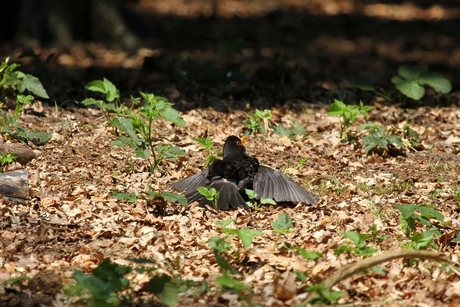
(75, 174)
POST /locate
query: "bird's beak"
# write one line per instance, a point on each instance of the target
(244, 140)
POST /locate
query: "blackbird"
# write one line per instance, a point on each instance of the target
(236, 172)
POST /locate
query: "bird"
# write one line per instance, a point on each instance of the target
(236, 172)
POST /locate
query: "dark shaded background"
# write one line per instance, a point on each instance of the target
(300, 51)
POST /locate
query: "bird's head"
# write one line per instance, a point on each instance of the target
(234, 146)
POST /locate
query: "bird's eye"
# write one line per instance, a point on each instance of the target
(239, 143)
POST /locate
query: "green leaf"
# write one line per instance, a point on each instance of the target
(430, 212)
(246, 235)
(224, 264)
(410, 72)
(304, 254)
(281, 131)
(219, 244)
(411, 89)
(174, 197)
(250, 193)
(371, 141)
(436, 81)
(228, 282)
(25, 99)
(395, 140)
(368, 125)
(283, 224)
(407, 210)
(353, 236)
(225, 223)
(105, 87)
(33, 85)
(337, 108)
(209, 194)
(205, 142)
(166, 290)
(422, 240)
(37, 137)
(267, 201)
(285, 221)
(378, 270)
(297, 129)
(173, 116)
(126, 125)
(15, 280)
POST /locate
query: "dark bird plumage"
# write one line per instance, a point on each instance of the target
(236, 172)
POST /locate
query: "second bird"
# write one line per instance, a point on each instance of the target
(236, 172)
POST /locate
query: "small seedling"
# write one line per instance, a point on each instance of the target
(207, 144)
(356, 245)
(408, 220)
(252, 195)
(349, 114)
(6, 159)
(282, 226)
(258, 121)
(295, 130)
(210, 194)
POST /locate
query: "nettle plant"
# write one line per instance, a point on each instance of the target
(349, 114)
(135, 129)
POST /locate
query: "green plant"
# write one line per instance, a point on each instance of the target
(295, 130)
(380, 140)
(6, 159)
(252, 200)
(109, 286)
(356, 244)
(12, 80)
(408, 218)
(349, 114)
(136, 128)
(282, 226)
(12, 84)
(210, 194)
(324, 295)
(207, 144)
(112, 107)
(410, 81)
(375, 235)
(223, 249)
(258, 121)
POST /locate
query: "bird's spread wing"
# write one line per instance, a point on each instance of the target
(229, 196)
(272, 184)
(190, 184)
